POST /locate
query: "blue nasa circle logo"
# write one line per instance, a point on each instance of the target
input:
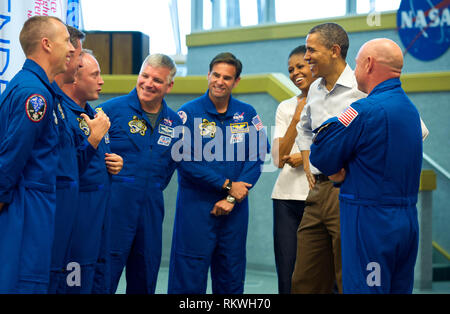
(424, 27)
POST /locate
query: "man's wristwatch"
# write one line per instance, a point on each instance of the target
(227, 187)
(231, 199)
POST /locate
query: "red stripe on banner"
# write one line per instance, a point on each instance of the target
(347, 116)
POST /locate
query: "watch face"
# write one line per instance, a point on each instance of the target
(230, 199)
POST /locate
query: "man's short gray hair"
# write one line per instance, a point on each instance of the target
(160, 60)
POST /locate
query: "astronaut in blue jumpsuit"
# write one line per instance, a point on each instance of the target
(74, 152)
(218, 149)
(89, 238)
(28, 159)
(377, 141)
(137, 203)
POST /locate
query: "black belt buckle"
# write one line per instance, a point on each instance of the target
(321, 178)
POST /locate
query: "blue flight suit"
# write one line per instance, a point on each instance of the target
(378, 141)
(72, 150)
(216, 147)
(28, 159)
(89, 239)
(137, 203)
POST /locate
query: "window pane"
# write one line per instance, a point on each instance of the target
(299, 10)
(365, 6)
(249, 12)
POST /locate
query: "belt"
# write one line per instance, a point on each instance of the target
(321, 178)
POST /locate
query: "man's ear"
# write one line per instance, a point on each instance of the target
(370, 64)
(46, 44)
(236, 82)
(336, 51)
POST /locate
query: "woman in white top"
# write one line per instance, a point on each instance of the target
(291, 188)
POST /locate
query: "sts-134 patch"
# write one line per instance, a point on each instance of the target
(35, 107)
(207, 128)
(138, 126)
(83, 126)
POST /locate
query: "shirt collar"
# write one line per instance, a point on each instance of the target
(35, 68)
(346, 79)
(386, 85)
(136, 105)
(211, 108)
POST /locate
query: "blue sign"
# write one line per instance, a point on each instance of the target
(424, 27)
(73, 13)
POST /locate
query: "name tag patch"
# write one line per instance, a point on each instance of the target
(164, 140)
(241, 127)
(166, 130)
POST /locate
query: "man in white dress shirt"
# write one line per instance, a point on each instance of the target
(318, 262)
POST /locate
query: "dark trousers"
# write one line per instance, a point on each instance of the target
(287, 215)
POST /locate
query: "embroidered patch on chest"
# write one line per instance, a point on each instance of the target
(348, 116)
(164, 140)
(137, 126)
(207, 128)
(166, 130)
(183, 116)
(238, 117)
(83, 126)
(241, 127)
(35, 107)
(237, 138)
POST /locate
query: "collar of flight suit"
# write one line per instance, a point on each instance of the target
(211, 108)
(37, 70)
(135, 104)
(386, 85)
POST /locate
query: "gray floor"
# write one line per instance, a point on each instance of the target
(259, 282)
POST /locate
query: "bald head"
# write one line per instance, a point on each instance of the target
(385, 52)
(377, 61)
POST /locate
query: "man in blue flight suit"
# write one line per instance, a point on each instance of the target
(223, 150)
(89, 239)
(143, 132)
(72, 150)
(375, 149)
(28, 159)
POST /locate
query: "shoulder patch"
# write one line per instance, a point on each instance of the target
(256, 120)
(183, 116)
(348, 116)
(35, 107)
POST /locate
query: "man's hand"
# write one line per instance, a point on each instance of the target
(311, 179)
(222, 207)
(239, 190)
(293, 160)
(338, 177)
(97, 126)
(114, 163)
(1, 206)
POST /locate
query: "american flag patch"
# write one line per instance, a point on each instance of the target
(257, 122)
(347, 116)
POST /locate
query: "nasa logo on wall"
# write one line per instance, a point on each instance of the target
(424, 27)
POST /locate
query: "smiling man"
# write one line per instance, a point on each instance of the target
(143, 132)
(318, 263)
(28, 158)
(211, 219)
(88, 243)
